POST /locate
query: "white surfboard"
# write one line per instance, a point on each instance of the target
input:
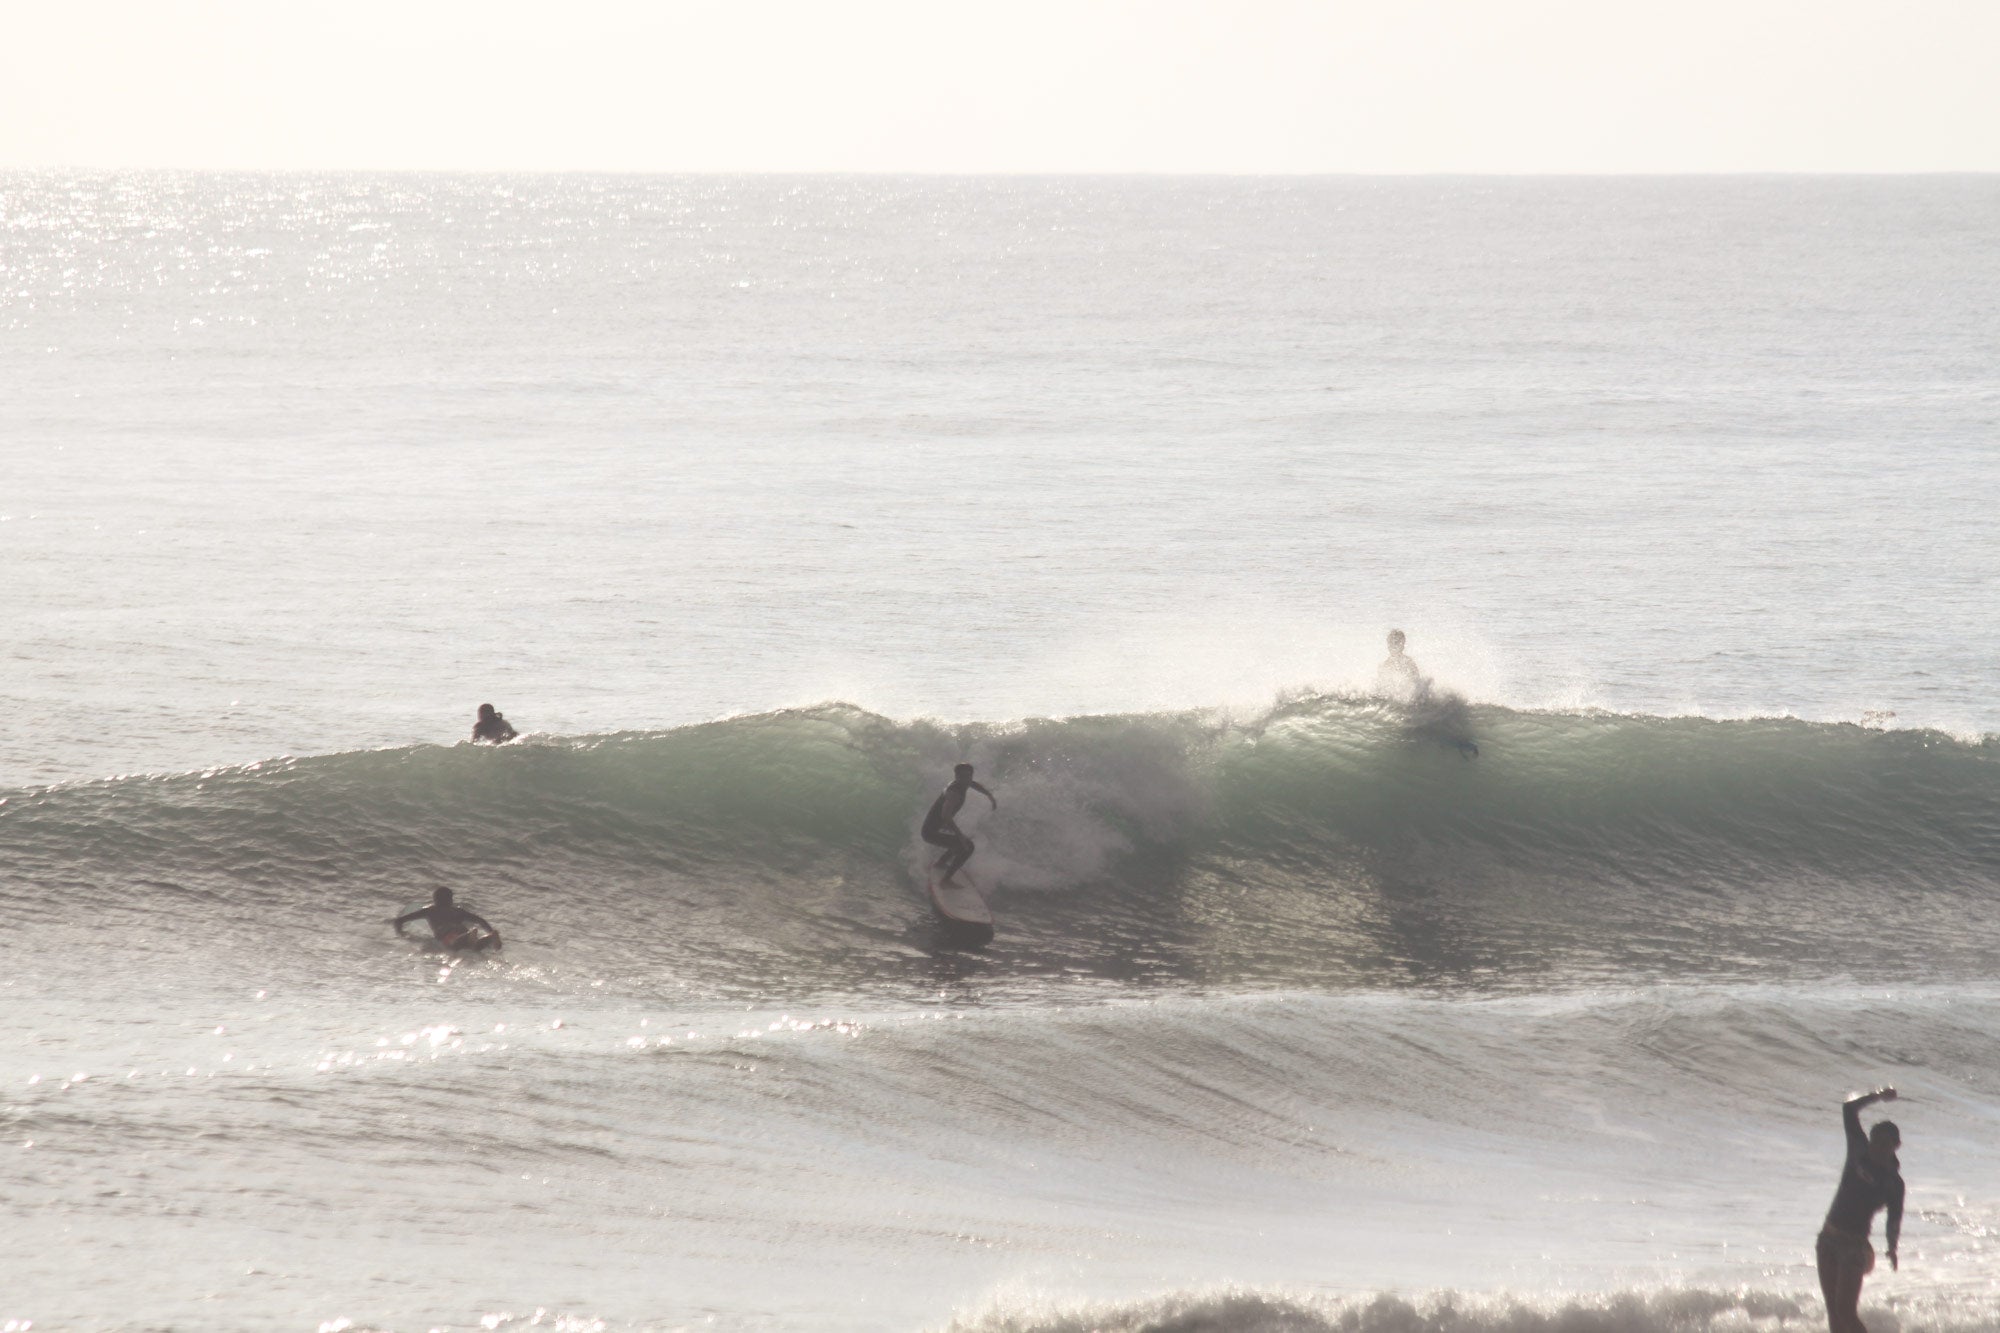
(962, 907)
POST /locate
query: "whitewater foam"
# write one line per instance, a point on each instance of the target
(1684, 1310)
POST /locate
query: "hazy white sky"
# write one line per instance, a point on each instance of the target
(1005, 85)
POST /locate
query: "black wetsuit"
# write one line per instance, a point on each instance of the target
(495, 729)
(452, 926)
(939, 831)
(1865, 1189)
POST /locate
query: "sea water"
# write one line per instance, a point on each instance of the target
(757, 503)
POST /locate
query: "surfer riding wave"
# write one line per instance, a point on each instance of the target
(940, 828)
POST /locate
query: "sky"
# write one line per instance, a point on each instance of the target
(1248, 86)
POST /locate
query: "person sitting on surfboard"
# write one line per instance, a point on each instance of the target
(451, 925)
(1441, 714)
(1398, 677)
(492, 727)
(939, 828)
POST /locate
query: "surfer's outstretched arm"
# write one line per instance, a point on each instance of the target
(983, 792)
(1850, 1116)
(1857, 1146)
(491, 929)
(422, 913)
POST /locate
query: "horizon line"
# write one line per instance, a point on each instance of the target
(1020, 173)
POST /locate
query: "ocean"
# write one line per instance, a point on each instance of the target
(756, 503)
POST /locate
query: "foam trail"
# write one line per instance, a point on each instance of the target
(1674, 1310)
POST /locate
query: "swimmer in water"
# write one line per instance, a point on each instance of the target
(1871, 1180)
(451, 925)
(940, 828)
(491, 727)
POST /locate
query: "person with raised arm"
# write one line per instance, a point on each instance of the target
(1871, 1180)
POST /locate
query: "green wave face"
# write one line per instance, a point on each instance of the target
(1330, 841)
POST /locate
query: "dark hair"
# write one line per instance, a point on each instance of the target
(486, 710)
(1885, 1131)
(959, 770)
(440, 895)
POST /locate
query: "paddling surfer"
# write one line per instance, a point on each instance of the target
(451, 925)
(492, 727)
(1871, 1180)
(940, 828)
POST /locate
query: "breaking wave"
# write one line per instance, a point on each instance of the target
(1668, 1311)
(1329, 841)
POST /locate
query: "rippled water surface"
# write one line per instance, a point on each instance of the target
(757, 504)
